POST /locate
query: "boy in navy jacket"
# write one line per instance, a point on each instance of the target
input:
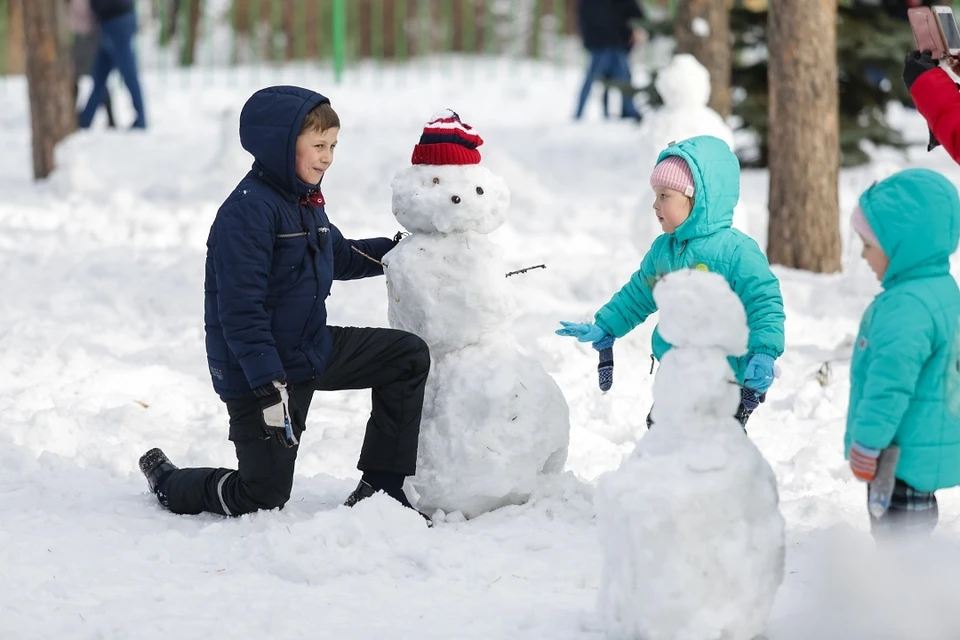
(272, 256)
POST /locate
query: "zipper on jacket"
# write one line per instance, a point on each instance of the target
(284, 236)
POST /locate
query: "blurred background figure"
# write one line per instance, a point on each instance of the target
(607, 33)
(86, 39)
(118, 24)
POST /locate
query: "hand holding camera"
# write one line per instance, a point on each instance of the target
(935, 32)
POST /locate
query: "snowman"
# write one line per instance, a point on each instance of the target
(684, 86)
(691, 532)
(493, 419)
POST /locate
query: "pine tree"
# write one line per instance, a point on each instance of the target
(803, 137)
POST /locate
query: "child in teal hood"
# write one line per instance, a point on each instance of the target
(905, 372)
(697, 184)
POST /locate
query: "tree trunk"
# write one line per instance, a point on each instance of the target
(15, 47)
(712, 48)
(188, 55)
(49, 78)
(804, 135)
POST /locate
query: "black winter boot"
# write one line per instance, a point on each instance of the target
(364, 490)
(155, 466)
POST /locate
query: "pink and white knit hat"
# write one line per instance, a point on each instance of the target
(674, 173)
(859, 223)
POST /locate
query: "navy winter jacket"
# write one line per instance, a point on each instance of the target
(605, 24)
(108, 9)
(272, 257)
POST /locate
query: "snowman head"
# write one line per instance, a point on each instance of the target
(698, 309)
(684, 82)
(446, 190)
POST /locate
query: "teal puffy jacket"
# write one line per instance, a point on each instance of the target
(705, 241)
(905, 373)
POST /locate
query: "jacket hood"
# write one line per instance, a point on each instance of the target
(270, 123)
(915, 215)
(716, 183)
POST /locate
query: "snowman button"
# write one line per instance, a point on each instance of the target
(479, 191)
(456, 199)
(436, 181)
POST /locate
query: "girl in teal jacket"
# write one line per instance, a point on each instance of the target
(905, 372)
(697, 184)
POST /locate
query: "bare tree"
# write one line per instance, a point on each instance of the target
(804, 135)
(14, 44)
(702, 28)
(50, 79)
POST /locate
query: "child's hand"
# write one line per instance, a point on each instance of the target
(582, 332)
(759, 373)
(863, 462)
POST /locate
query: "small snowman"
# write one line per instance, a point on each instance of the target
(684, 86)
(691, 532)
(493, 419)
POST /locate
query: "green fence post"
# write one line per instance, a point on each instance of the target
(339, 38)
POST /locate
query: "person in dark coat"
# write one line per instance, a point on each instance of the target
(272, 257)
(86, 42)
(118, 24)
(608, 36)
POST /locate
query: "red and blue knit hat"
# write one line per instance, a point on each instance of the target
(446, 140)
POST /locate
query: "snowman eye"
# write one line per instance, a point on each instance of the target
(436, 181)
(479, 191)
(455, 199)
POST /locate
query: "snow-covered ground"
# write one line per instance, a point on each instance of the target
(101, 344)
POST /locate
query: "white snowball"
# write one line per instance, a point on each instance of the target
(699, 309)
(493, 420)
(448, 289)
(448, 199)
(692, 538)
(684, 82)
(700, 27)
(693, 385)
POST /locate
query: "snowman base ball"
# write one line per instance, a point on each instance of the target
(493, 419)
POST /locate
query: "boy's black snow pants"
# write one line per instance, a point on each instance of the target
(393, 364)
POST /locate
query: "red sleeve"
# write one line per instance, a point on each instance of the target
(938, 101)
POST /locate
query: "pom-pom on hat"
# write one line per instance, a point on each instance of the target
(446, 140)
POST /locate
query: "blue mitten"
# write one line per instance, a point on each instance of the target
(759, 373)
(582, 332)
(605, 368)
